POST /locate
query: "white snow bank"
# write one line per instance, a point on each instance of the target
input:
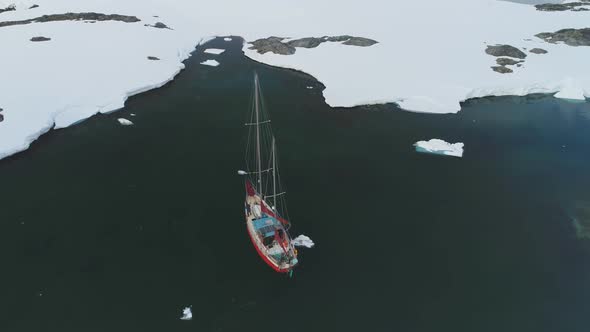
(187, 314)
(303, 241)
(430, 54)
(210, 62)
(438, 146)
(214, 50)
(125, 122)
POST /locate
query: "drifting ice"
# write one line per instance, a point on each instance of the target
(303, 241)
(186, 314)
(227, 39)
(214, 50)
(124, 122)
(438, 146)
(211, 63)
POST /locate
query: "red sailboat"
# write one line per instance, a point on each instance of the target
(265, 206)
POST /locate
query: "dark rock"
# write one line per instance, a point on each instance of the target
(501, 69)
(559, 7)
(7, 9)
(337, 38)
(40, 39)
(1, 117)
(506, 62)
(158, 25)
(73, 17)
(538, 51)
(571, 37)
(309, 42)
(153, 58)
(272, 44)
(505, 50)
(360, 41)
(34, 6)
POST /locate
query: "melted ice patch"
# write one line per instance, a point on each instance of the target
(303, 241)
(211, 63)
(438, 146)
(187, 314)
(124, 122)
(214, 50)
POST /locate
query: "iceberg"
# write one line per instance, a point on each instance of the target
(187, 314)
(214, 50)
(124, 122)
(438, 146)
(210, 62)
(303, 241)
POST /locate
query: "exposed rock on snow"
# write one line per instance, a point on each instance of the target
(153, 58)
(438, 146)
(214, 51)
(538, 51)
(7, 9)
(34, 6)
(277, 46)
(303, 241)
(506, 61)
(502, 69)
(210, 62)
(571, 37)
(158, 25)
(72, 17)
(272, 44)
(505, 50)
(40, 39)
(1, 116)
(125, 122)
(186, 314)
(558, 7)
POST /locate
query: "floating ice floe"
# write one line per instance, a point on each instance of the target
(187, 314)
(438, 146)
(227, 39)
(132, 114)
(310, 87)
(303, 241)
(214, 50)
(210, 62)
(124, 122)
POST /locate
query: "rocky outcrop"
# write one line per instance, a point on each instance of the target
(73, 17)
(277, 46)
(159, 25)
(559, 7)
(272, 44)
(505, 50)
(34, 6)
(1, 116)
(7, 9)
(502, 69)
(538, 51)
(571, 37)
(153, 58)
(506, 62)
(40, 39)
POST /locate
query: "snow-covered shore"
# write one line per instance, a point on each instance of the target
(430, 55)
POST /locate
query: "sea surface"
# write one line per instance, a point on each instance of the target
(118, 228)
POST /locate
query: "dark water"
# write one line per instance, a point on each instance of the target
(112, 228)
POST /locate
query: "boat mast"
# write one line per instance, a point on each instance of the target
(274, 174)
(256, 105)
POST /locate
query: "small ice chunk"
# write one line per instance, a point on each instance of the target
(132, 114)
(438, 146)
(211, 63)
(124, 122)
(187, 314)
(303, 241)
(227, 39)
(214, 50)
(310, 87)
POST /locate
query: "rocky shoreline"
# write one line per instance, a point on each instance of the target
(571, 37)
(73, 17)
(277, 45)
(560, 7)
